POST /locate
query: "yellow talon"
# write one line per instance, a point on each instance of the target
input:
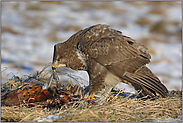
(91, 97)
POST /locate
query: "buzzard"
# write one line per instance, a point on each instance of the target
(109, 57)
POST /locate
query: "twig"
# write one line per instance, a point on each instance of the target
(121, 91)
(26, 117)
(95, 115)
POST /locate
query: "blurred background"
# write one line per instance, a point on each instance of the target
(30, 30)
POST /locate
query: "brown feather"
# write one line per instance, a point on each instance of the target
(105, 52)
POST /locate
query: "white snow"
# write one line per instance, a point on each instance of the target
(32, 47)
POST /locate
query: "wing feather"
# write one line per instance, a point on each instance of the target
(115, 54)
(148, 80)
(121, 55)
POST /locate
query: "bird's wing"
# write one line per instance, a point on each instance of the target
(123, 56)
(115, 53)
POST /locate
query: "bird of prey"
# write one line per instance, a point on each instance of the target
(109, 57)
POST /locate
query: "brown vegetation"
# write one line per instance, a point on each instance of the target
(116, 109)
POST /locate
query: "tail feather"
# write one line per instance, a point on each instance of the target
(142, 91)
(144, 79)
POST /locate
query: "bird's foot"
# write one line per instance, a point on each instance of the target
(91, 97)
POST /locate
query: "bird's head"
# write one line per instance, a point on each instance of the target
(58, 56)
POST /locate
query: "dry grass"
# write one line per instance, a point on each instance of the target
(119, 110)
(116, 109)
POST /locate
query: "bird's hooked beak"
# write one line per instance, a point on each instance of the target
(56, 64)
